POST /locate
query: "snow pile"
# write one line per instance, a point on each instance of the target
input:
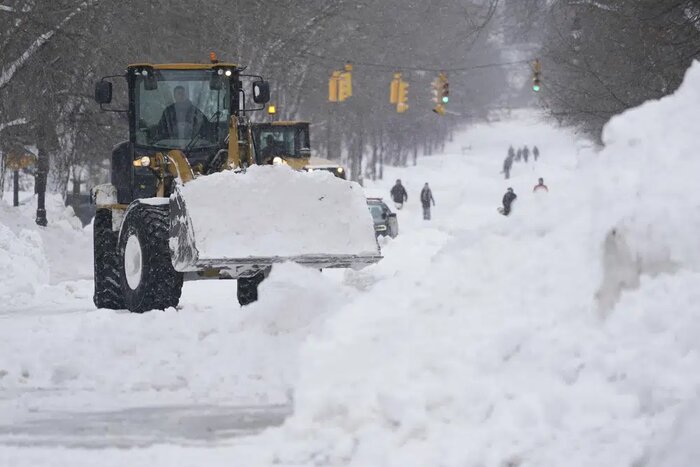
(275, 211)
(66, 247)
(644, 190)
(495, 353)
(23, 264)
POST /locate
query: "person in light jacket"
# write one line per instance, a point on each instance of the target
(426, 197)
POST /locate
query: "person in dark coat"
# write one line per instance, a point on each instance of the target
(535, 153)
(398, 194)
(271, 149)
(508, 199)
(518, 155)
(507, 164)
(526, 154)
(426, 197)
(181, 119)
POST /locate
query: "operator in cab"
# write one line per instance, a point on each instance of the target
(181, 119)
(271, 149)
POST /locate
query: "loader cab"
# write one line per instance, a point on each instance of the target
(185, 108)
(288, 143)
(282, 143)
(180, 117)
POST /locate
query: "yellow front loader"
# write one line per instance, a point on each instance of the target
(288, 142)
(184, 200)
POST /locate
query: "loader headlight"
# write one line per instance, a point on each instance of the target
(339, 170)
(227, 72)
(145, 161)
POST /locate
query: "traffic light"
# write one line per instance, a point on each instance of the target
(445, 90)
(333, 87)
(435, 88)
(398, 93)
(340, 84)
(536, 73)
(402, 104)
(344, 87)
(394, 89)
(441, 93)
(346, 81)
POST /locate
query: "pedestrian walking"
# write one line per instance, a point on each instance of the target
(526, 154)
(426, 197)
(508, 199)
(507, 164)
(518, 155)
(398, 194)
(535, 153)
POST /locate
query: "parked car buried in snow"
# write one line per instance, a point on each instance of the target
(385, 222)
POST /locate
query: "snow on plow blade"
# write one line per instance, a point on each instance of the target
(244, 222)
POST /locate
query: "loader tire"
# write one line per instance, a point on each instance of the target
(108, 288)
(148, 278)
(248, 288)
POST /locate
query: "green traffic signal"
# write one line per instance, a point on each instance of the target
(536, 87)
(445, 99)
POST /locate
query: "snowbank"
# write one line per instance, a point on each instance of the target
(275, 211)
(644, 204)
(23, 264)
(66, 247)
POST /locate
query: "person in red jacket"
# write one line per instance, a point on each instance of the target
(540, 186)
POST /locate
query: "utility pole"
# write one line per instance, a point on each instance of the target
(328, 132)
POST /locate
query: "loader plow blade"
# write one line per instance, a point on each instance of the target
(244, 267)
(243, 222)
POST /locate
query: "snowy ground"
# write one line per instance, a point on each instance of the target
(566, 334)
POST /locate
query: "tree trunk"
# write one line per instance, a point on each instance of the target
(375, 155)
(15, 188)
(41, 176)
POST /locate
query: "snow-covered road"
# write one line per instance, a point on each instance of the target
(566, 333)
